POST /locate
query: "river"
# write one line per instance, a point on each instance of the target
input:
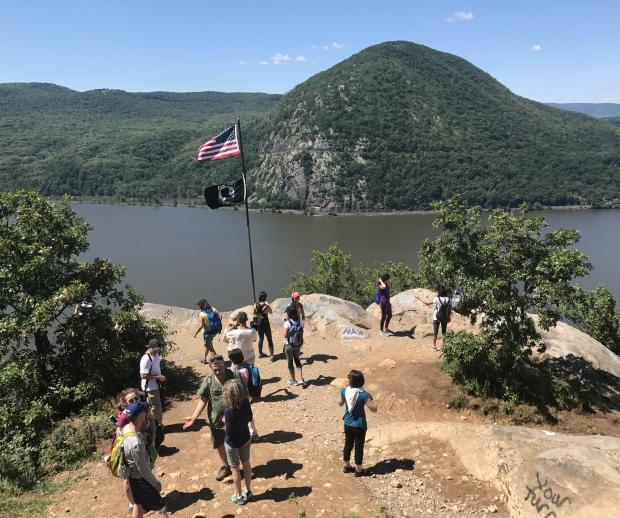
(177, 255)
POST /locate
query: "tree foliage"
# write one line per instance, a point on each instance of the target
(509, 267)
(53, 362)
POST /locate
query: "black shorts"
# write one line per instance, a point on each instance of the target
(145, 495)
(444, 326)
(217, 436)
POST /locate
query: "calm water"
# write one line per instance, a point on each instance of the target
(176, 255)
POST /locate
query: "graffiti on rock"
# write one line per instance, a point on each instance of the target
(351, 333)
(544, 499)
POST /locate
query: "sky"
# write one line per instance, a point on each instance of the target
(549, 51)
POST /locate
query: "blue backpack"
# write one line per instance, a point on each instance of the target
(378, 297)
(255, 385)
(215, 324)
(295, 336)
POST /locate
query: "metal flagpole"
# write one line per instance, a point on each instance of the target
(247, 212)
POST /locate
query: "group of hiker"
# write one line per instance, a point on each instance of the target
(227, 393)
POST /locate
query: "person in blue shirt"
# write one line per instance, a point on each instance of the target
(355, 399)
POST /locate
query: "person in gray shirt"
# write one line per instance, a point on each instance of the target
(145, 487)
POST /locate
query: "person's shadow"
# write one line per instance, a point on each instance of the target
(277, 468)
(177, 500)
(324, 358)
(408, 334)
(274, 397)
(388, 466)
(280, 437)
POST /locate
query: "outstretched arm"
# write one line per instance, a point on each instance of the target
(371, 404)
(200, 406)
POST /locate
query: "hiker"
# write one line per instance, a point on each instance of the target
(442, 308)
(211, 396)
(262, 310)
(144, 487)
(241, 366)
(355, 399)
(150, 372)
(210, 325)
(300, 315)
(239, 336)
(293, 340)
(383, 295)
(237, 415)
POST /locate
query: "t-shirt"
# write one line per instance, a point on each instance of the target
(437, 302)
(356, 417)
(150, 364)
(121, 420)
(215, 405)
(237, 431)
(137, 458)
(242, 339)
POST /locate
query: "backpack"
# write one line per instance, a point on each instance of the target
(458, 300)
(295, 336)
(378, 297)
(215, 324)
(255, 385)
(115, 460)
(443, 311)
(259, 319)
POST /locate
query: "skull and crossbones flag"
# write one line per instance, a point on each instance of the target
(225, 195)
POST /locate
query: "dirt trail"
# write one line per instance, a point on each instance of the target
(297, 464)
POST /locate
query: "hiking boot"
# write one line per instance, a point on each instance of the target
(223, 473)
(362, 473)
(348, 469)
(239, 500)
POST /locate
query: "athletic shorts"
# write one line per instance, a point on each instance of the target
(236, 455)
(217, 436)
(444, 326)
(145, 495)
(208, 341)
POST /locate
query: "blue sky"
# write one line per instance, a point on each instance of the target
(546, 50)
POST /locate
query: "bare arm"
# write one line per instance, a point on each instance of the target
(267, 308)
(382, 284)
(200, 406)
(371, 404)
(202, 326)
(340, 399)
(423, 301)
(303, 313)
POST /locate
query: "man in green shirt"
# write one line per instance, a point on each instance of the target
(211, 396)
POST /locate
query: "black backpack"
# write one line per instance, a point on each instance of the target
(443, 312)
(259, 320)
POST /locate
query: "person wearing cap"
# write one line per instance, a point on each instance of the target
(145, 488)
(298, 307)
(151, 377)
(212, 397)
(207, 311)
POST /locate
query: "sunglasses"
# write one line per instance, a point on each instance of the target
(133, 399)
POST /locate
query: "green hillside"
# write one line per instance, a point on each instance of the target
(111, 142)
(403, 124)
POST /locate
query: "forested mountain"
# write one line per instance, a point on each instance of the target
(399, 125)
(393, 127)
(599, 110)
(111, 142)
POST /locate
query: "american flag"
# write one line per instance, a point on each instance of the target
(221, 146)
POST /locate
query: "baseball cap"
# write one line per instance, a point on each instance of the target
(295, 294)
(133, 410)
(153, 342)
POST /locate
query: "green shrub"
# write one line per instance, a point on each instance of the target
(74, 440)
(471, 360)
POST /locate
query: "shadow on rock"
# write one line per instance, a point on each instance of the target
(280, 437)
(320, 381)
(277, 468)
(324, 358)
(177, 500)
(281, 494)
(274, 397)
(388, 466)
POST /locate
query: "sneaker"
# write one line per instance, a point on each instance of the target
(383, 333)
(223, 473)
(239, 500)
(291, 383)
(434, 349)
(348, 469)
(130, 508)
(272, 358)
(302, 382)
(248, 495)
(255, 437)
(262, 355)
(362, 473)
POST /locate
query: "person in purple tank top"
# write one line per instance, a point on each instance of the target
(385, 304)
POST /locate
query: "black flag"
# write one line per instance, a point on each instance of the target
(225, 195)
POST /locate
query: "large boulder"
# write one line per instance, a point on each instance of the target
(540, 473)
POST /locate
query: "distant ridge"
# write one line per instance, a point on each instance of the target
(599, 110)
(393, 127)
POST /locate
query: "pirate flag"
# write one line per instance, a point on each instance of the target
(225, 195)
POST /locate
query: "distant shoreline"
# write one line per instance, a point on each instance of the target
(201, 205)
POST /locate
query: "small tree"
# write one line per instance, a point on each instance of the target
(54, 362)
(509, 267)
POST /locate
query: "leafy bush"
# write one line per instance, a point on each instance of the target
(471, 360)
(333, 273)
